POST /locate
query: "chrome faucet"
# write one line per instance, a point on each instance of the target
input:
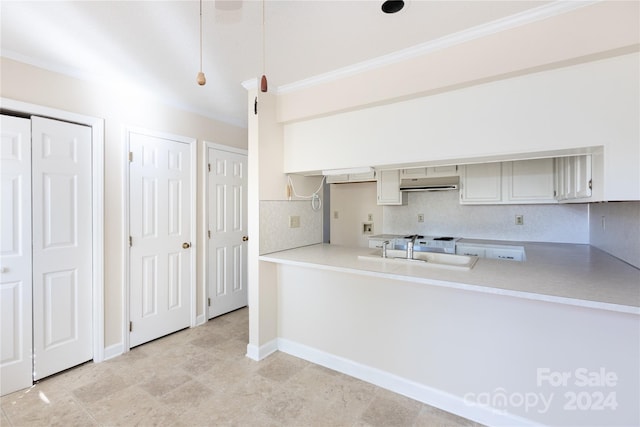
(384, 248)
(410, 246)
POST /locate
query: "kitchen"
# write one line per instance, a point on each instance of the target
(530, 89)
(568, 306)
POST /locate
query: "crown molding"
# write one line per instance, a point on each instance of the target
(250, 84)
(532, 15)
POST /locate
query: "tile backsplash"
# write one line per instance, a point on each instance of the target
(275, 233)
(445, 216)
(614, 227)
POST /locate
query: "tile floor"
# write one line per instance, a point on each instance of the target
(201, 377)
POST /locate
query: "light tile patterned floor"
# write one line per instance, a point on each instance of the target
(201, 377)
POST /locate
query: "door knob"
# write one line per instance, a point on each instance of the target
(186, 245)
(245, 238)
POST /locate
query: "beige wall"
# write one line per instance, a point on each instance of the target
(353, 203)
(33, 85)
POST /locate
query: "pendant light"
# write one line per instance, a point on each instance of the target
(201, 79)
(263, 80)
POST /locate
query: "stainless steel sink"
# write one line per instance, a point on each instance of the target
(424, 259)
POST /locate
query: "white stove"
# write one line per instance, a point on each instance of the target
(422, 243)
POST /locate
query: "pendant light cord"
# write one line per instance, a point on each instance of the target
(264, 55)
(200, 35)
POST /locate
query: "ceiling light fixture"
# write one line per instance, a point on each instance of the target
(263, 80)
(392, 6)
(201, 79)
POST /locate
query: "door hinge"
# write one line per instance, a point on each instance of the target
(209, 302)
(130, 156)
(209, 166)
(130, 326)
(255, 106)
(590, 185)
(209, 233)
(130, 241)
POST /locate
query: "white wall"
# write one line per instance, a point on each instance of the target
(615, 228)
(447, 344)
(353, 204)
(445, 216)
(585, 105)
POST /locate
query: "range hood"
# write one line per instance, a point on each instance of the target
(429, 184)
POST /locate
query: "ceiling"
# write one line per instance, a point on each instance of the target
(153, 46)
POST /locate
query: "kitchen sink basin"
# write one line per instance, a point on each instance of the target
(426, 259)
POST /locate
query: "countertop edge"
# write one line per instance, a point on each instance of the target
(272, 257)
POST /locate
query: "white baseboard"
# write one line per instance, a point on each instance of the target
(420, 392)
(201, 320)
(113, 351)
(258, 353)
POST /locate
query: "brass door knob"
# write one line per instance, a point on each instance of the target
(186, 245)
(245, 238)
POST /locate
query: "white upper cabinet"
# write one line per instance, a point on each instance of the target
(528, 181)
(389, 188)
(573, 178)
(431, 172)
(481, 183)
(353, 177)
(517, 182)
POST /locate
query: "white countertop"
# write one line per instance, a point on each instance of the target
(578, 275)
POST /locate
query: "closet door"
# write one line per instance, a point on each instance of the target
(15, 254)
(62, 249)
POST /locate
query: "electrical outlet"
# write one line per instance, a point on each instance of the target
(369, 217)
(519, 219)
(335, 214)
(294, 221)
(367, 228)
(420, 217)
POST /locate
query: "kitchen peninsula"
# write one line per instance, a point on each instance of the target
(446, 337)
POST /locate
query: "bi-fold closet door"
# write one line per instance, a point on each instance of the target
(45, 249)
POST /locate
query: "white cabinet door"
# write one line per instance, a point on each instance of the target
(573, 177)
(389, 188)
(442, 171)
(430, 172)
(528, 181)
(470, 251)
(508, 254)
(481, 183)
(15, 255)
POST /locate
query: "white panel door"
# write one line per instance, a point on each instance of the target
(160, 227)
(15, 255)
(62, 246)
(227, 249)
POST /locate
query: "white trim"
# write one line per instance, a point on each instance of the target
(97, 206)
(112, 351)
(420, 392)
(125, 240)
(258, 353)
(201, 319)
(526, 17)
(127, 131)
(227, 148)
